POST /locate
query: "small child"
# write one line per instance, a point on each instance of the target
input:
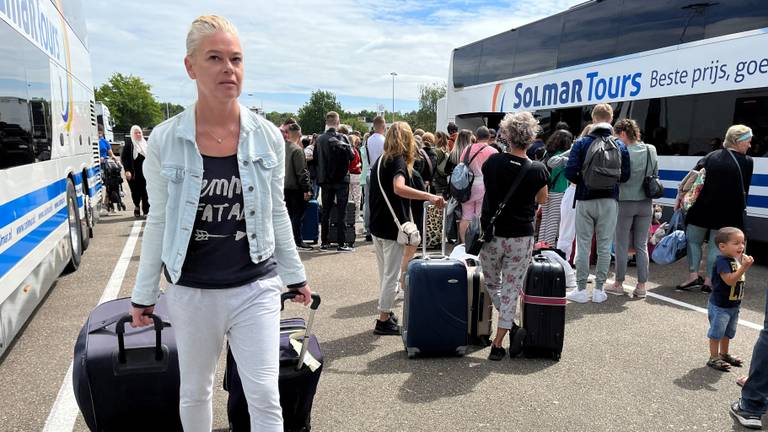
(725, 300)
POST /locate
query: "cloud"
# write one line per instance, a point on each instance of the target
(294, 47)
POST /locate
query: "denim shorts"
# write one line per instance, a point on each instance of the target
(722, 321)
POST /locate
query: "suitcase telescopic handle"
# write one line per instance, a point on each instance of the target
(293, 294)
(120, 330)
(310, 321)
(427, 205)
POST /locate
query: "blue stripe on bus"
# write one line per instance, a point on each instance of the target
(674, 175)
(24, 246)
(22, 205)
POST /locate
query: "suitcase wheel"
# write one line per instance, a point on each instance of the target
(556, 356)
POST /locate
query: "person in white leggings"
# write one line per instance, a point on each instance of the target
(215, 177)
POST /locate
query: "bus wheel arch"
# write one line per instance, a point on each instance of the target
(89, 222)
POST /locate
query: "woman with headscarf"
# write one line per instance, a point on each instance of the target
(132, 156)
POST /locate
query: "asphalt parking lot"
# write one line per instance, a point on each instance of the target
(627, 364)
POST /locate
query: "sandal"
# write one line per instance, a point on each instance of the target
(719, 364)
(732, 360)
(687, 286)
(741, 380)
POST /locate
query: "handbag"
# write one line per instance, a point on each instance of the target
(476, 236)
(651, 183)
(690, 197)
(407, 232)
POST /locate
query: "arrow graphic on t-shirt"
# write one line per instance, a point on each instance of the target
(201, 235)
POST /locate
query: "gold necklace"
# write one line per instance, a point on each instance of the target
(219, 140)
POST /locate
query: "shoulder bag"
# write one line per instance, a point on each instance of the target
(651, 183)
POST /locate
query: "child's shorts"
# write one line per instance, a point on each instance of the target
(722, 321)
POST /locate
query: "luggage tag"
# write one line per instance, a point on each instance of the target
(309, 360)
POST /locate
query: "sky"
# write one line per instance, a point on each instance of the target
(293, 47)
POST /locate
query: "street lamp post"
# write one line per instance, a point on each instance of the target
(394, 74)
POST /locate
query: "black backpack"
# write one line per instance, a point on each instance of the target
(602, 164)
(339, 156)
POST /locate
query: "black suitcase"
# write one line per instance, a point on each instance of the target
(297, 385)
(349, 225)
(126, 378)
(544, 309)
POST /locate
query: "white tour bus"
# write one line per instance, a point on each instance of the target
(685, 70)
(50, 187)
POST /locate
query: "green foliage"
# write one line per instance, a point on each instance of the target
(171, 109)
(312, 114)
(130, 102)
(356, 123)
(279, 118)
(426, 116)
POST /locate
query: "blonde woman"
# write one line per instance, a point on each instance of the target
(395, 177)
(222, 283)
(721, 202)
(505, 259)
(133, 155)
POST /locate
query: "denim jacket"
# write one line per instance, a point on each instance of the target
(174, 173)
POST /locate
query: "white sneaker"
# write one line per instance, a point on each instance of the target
(577, 296)
(599, 296)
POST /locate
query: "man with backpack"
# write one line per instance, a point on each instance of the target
(333, 154)
(598, 162)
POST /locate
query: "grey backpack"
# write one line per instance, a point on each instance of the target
(602, 165)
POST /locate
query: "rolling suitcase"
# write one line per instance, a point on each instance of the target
(480, 304)
(349, 224)
(544, 308)
(310, 227)
(298, 382)
(435, 314)
(124, 378)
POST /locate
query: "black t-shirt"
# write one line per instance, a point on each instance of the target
(499, 171)
(382, 224)
(218, 254)
(721, 201)
(724, 295)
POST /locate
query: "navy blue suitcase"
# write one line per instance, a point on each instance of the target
(436, 310)
(544, 308)
(310, 228)
(298, 384)
(126, 378)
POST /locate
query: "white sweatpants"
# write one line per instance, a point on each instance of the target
(250, 318)
(389, 257)
(567, 231)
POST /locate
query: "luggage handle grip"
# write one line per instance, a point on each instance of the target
(293, 294)
(120, 330)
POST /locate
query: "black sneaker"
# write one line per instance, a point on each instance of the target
(368, 238)
(136, 213)
(304, 247)
(497, 353)
(325, 247)
(516, 339)
(345, 248)
(706, 289)
(744, 418)
(387, 328)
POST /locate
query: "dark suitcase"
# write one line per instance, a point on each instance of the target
(126, 378)
(297, 386)
(435, 314)
(310, 227)
(544, 308)
(349, 225)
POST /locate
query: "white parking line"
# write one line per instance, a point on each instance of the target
(64, 411)
(699, 309)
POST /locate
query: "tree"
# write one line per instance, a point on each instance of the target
(426, 116)
(170, 109)
(312, 114)
(279, 118)
(130, 102)
(356, 123)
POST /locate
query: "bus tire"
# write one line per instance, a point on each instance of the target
(75, 236)
(87, 224)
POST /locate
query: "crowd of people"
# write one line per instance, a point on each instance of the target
(230, 265)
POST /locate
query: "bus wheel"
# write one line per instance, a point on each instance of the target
(75, 229)
(87, 224)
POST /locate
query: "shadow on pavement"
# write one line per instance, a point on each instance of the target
(114, 220)
(701, 378)
(359, 310)
(614, 305)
